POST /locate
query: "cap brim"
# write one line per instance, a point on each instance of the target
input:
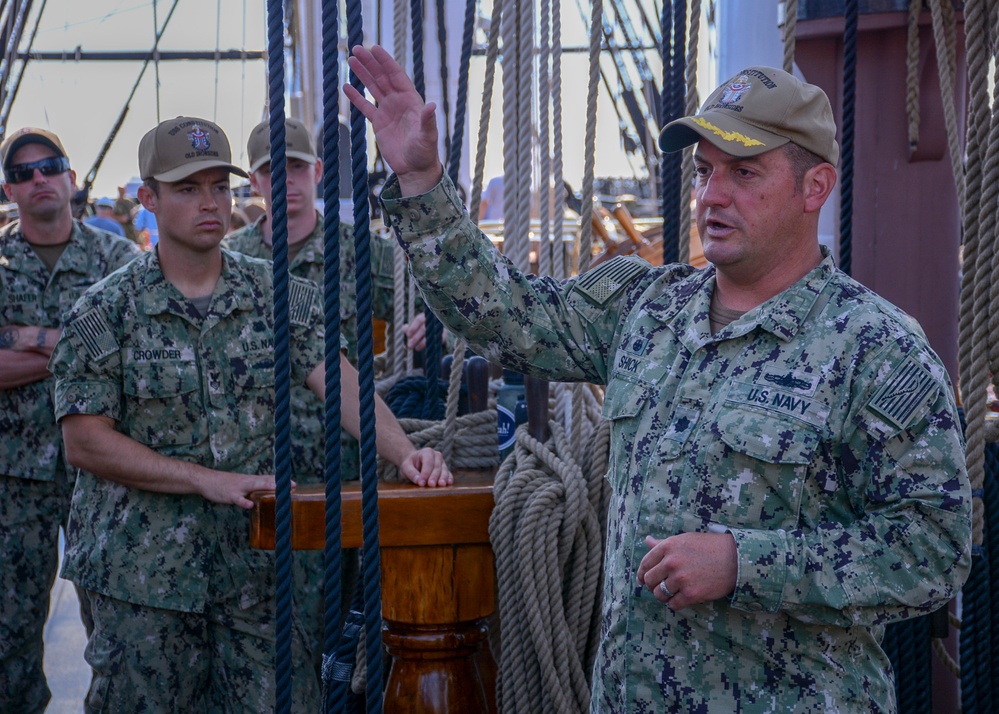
(734, 137)
(301, 155)
(30, 139)
(182, 172)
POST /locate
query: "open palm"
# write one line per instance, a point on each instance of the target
(405, 127)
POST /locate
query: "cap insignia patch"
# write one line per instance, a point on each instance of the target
(735, 91)
(199, 139)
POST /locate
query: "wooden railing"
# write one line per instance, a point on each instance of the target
(438, 584)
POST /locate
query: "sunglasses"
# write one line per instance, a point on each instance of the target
(52, 166)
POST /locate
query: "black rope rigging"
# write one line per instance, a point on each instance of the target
(335, 673)
(851, 11)
(674, 22)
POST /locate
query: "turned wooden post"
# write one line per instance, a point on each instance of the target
(438, 583)
(536, 392)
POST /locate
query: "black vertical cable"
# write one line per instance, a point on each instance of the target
(849, 118)
(674, 21)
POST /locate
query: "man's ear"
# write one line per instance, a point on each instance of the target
(147, 197)
(818, 183)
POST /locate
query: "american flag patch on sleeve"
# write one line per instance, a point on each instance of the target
(301, 297)
(910, 390)
(95, 335)
(605, 281)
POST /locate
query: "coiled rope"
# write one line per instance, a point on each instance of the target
(978, 351)
(549, 597)
(476, 447)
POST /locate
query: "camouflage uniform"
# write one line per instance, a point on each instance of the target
(195, 389)
(819, 429)
(35, 483)
(309, 412)
(309, 447)
(123, 207)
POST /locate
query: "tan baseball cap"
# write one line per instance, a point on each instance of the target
(179, 147)
(759, 109)
(297, 141)
(28, 135)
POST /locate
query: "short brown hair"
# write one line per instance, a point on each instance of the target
(801, 161)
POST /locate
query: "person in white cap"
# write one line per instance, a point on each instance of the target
(47, 259)
(165, 394)
(786, 456)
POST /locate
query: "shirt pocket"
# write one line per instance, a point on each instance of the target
(762, 464)
(253, 394)
(163, 403)
(623, 405)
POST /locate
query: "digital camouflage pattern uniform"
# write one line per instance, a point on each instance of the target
(308, 426)
(199, 390)
(35, 481)
(819, 429)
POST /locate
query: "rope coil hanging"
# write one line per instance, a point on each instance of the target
(548, 597)
(978, 354)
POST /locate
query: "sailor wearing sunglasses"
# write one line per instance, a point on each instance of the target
(47, 260)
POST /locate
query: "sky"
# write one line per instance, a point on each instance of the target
(80, 101)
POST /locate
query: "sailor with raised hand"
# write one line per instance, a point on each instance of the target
(787, 461)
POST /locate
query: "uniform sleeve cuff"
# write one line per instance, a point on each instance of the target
(427, 213)
(86, 398)
(759, 583)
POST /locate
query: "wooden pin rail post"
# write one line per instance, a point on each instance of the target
(438, 583)
(438, 577)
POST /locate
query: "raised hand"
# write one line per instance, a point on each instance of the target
(405, 127)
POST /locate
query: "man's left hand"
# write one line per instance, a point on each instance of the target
(697, 567)
(426, 467)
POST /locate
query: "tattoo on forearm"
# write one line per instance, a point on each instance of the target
(8, 337)
(40, 342)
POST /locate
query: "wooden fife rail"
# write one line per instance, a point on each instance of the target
(438, 583)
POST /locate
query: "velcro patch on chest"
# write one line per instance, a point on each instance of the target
(605, 281)
(301, 297)
(95, 335)
(909, 391)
